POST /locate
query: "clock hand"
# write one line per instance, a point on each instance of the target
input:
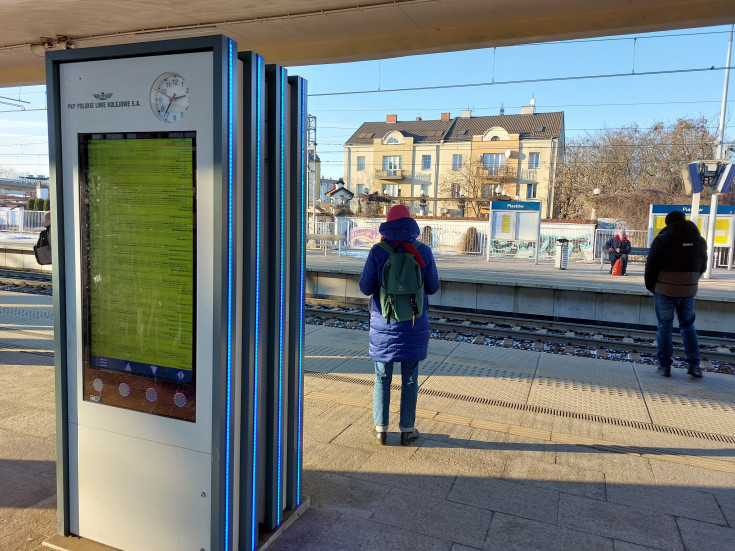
(163, 93)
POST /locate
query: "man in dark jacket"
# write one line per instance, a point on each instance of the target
(619, 247)
(398, 341)
(676, 261)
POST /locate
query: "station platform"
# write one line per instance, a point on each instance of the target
(519, 287)
(519, 450)
(16, 252)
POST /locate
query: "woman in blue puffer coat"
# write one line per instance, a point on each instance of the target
(398, 341)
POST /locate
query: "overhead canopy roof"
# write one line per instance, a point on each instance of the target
(297, 32)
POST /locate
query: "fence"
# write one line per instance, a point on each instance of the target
(637, 238)
(21, 221)
(461, 237)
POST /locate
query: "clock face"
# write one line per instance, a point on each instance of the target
(170, 97)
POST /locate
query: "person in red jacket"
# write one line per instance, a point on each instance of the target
(619, 248)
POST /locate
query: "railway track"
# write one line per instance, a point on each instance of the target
(718, 354)
(23, 281)
(556, 337)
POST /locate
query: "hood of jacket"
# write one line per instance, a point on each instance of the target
(683, 230)
(402, 229)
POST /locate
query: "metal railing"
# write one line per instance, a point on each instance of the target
(22, 221)
(390, 174)
(637, 238)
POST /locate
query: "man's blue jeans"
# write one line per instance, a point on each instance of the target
(409, 394)
(684, 307)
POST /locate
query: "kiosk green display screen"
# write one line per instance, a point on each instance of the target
(138, 201)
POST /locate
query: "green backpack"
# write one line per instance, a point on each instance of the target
(402, 290)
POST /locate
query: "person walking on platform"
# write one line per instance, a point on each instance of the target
(676, 261)
(618, 247)
(399, 273)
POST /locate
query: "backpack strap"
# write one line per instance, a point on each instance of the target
(387, 248)
(411, 248)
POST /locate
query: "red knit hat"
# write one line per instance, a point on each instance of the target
(398, 211)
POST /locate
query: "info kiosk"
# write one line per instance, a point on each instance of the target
(517, 222)
(177, 178)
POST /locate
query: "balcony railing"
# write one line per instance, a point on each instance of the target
(390, 174)
(528, 175)
(500, 173)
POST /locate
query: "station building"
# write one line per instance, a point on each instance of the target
(493, 157)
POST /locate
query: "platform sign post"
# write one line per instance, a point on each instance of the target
(514, 221)
(147, 271)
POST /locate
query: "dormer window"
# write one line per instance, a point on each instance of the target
(494, 139)
(392, 140)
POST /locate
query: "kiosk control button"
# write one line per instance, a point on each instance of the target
(151, 394)
(98, 385)
(124, 390)
(179, 399)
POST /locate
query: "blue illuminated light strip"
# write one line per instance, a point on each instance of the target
(302, 254)
(230, 124)
(283, 292)
(254, 504)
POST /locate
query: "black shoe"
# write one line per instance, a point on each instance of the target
(408, 437)
(695, 371)
(381, 437)
(665, 372)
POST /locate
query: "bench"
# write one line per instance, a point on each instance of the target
(323, 238)
(634, 252)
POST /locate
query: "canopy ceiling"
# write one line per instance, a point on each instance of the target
(297, 32)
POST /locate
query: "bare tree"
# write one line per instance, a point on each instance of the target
(475, 181)
(642, 165)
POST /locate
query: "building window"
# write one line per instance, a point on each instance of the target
(493, 162)
(392, 164)
(399, 191)
(456, 162)
(533, 160)
(392, 140)
(361, 163)
(494, 139)
(531, 191)
(426, 162)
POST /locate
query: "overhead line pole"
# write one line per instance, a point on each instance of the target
(720, 157)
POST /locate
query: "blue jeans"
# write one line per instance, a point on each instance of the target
(409, 395)
(684, 307)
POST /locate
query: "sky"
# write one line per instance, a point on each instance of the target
(657, 77)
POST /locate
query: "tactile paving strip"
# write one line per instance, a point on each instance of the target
(692, 412)
(584, 397)
(480, 382)
(487, 357)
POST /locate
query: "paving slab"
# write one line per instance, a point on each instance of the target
(727, 506)
(622, 522)
(507, 497)
(585, 483)
(343, 494)
(688, 476)
(672, 500)
(512, 533)
(703, 536)
(435, 517)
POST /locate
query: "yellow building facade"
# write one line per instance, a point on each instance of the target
(447, 166)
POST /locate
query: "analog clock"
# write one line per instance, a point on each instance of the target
(170, 97)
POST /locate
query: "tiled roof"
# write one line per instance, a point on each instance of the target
(459, 129)
(420, 131)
